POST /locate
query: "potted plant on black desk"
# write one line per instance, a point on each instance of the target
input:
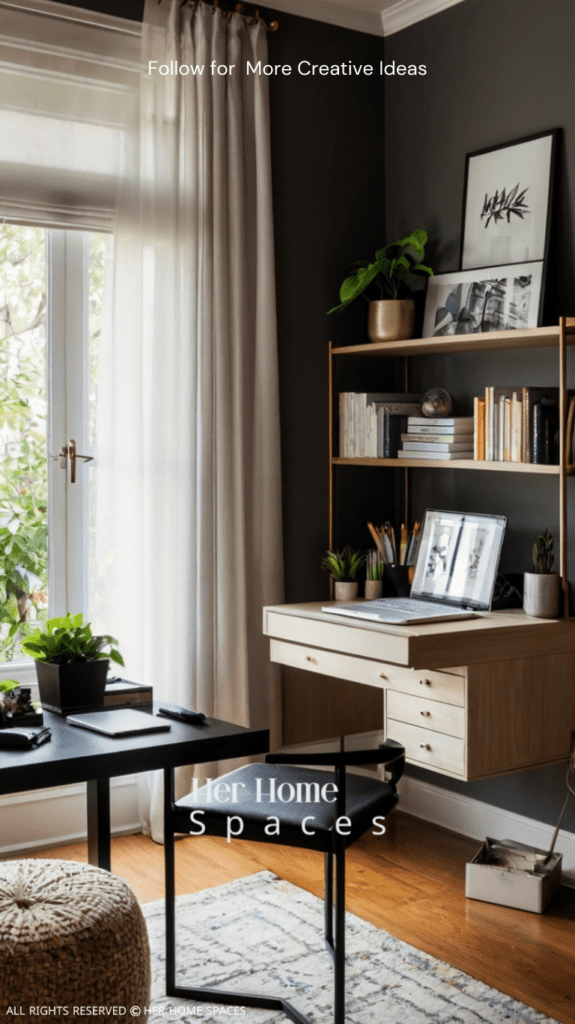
(71, 664)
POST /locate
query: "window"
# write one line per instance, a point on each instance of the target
(51, 297)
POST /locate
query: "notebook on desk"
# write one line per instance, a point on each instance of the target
(454, 573)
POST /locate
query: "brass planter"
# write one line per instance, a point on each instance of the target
(390, 319)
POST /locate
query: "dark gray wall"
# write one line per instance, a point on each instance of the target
(328, 180)
(496, 72)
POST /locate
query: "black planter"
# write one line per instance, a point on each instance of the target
(79, 686)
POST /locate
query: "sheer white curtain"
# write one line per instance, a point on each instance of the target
(189, 522)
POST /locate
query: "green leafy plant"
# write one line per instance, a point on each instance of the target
(543, 554)
(64, 640)
(388, 269)
(7, 685)
(343, 566)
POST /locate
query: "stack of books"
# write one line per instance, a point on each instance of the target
(370, 424)
(514, 424)
(121, 693)
(448, 438)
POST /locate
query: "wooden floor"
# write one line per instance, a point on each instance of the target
(410, 882)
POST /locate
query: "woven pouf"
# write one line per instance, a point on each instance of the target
(71, 936)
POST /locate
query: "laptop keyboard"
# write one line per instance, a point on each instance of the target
(408, 604)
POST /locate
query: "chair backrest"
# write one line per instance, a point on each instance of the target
(391, 753)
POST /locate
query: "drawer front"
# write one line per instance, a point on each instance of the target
(448, 687)
(429, 749)
(427, 714)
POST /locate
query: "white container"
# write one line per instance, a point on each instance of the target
(513, 875)
(541, 594)
(345, 591)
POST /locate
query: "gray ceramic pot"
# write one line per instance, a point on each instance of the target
(541, 594)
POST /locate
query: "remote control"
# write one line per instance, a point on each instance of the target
(182, 714)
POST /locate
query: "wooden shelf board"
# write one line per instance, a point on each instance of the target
(534, 337)
(500, 467)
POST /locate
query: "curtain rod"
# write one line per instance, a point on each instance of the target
(239, 9)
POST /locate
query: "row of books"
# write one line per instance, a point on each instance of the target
(446, 438)
(370, 424)
(514, 424)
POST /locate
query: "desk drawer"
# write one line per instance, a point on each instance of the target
(429, 749)
(428, 714)
(448, 687)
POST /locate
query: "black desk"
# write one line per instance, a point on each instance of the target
(77, 755)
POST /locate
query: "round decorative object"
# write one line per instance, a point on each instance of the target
(436, 402)
(390, 319)
(71, 935)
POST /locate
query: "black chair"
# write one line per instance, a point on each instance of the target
(359, 799)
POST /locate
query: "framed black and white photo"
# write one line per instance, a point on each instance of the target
(489, 299)
(507, 202)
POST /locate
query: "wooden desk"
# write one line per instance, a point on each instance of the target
(470, 699)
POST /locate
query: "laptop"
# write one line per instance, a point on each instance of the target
(120, 722)
(454, 573)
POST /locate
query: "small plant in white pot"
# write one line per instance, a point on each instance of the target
(343, 567)
(391, 317)
(541, 587)
(374, 576)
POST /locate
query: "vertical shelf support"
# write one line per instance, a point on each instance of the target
(563, 540)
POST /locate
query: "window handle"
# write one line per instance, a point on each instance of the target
(68, 451)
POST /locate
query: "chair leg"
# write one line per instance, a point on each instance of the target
(170, 884)
(328, 900)
(339, 950)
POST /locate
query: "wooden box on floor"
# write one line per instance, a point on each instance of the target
(513, 875)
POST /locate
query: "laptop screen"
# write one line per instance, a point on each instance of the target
(458, 558)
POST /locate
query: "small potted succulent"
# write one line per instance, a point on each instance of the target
(541, 587)
(391, 317)
(343, 567)
(374, 576)
(71, 663)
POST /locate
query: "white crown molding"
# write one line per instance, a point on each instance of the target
(345, 16)
(408, 12)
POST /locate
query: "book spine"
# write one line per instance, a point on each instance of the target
(394, 425)
(537, 440)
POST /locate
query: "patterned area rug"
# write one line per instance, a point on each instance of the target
(263, 935)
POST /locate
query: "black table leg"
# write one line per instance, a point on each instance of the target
(98, 796)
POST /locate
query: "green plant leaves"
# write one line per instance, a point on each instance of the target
(66, 639)
(343, 565)
(391, 268)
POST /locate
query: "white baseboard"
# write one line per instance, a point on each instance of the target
(462, 814)
(43, 818)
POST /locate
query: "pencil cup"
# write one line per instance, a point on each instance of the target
(400, 577)
(373, 589)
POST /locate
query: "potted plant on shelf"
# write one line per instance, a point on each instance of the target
(541, 587)
(71, 663)
(343, 567)
(391, 318)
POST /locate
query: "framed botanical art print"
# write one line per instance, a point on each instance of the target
(488, 299)
(507, 202)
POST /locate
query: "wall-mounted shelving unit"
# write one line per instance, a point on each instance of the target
(559, 337)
